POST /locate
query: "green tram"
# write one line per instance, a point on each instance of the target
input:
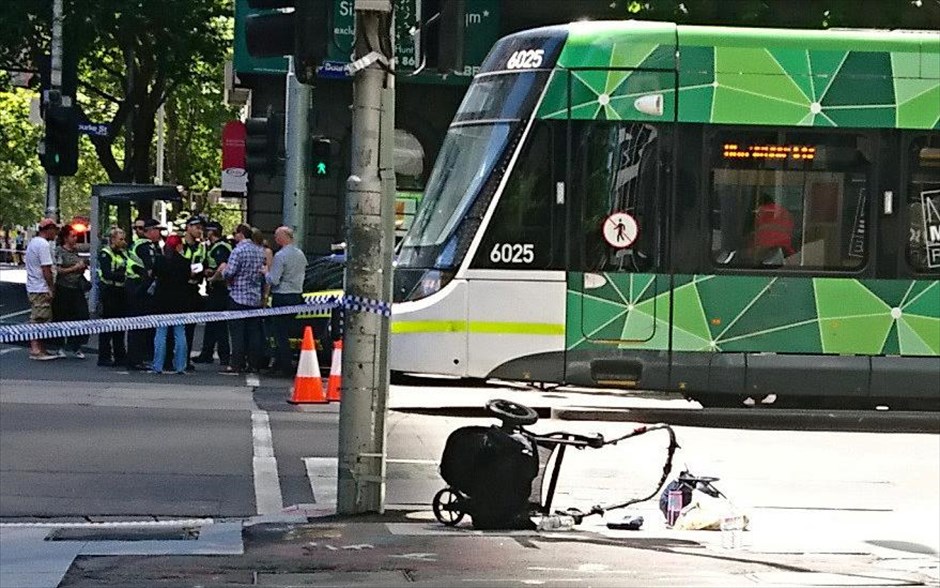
(732, 213)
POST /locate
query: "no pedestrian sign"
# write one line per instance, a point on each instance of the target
(620, 230)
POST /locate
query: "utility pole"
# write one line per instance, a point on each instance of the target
(369, 240)
(297, 160)
(55, 98)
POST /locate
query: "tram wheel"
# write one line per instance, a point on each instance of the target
(446, 507)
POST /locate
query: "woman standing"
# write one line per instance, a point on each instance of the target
(69, 303)
(172, 273)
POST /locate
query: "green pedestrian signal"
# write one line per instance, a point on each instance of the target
(322, 151)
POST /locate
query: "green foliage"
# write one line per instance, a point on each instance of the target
(133, 57)
(22, 180)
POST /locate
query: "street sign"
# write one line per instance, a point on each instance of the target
(482, 31)
(333, 70)
(93, 129)
(620, 230)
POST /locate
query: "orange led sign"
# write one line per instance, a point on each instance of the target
(735, 151)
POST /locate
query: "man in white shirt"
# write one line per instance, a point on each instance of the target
(39, 282)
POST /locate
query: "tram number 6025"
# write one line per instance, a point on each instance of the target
(512, 253)
(525, 59)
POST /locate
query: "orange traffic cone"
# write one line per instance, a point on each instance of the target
(336, 370)
(308, 387)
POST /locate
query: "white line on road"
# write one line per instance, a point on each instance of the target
(412, 461)
(321, 471)
(13, 314)
(9, 350)
(252, 380)
(267, 483)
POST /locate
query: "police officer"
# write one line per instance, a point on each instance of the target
(140, 261)
(195, 251)
(112, 272)
(216, 332)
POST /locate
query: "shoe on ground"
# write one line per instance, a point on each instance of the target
(140, 367)
(201, 359)
(42, 356)
(190, 367)
(79, 354)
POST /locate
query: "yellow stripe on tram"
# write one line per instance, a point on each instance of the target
(493, 328)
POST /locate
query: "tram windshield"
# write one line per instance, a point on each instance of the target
(469, 167)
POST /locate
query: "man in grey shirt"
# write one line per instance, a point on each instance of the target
(286, 277)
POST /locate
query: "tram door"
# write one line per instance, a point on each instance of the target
(617, 295)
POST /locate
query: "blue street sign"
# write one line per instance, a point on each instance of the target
(332, 70)
(95, 129)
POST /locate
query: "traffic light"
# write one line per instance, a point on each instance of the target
(264, 138)
(322, 151)
(60, 145)
(300, 28)
(442, 41)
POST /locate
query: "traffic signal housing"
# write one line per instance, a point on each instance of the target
(321, 150)
(442, 41)
(299, 28)
(264, 139)
(60, 144)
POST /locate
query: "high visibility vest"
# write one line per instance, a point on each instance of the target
(135, 265)
(211, 263)
(195, 253)
(117, 260)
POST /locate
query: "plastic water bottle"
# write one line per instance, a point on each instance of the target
(557, 522)
(732, 530)
(673, 506)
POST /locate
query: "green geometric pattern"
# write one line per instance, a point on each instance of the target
(764, 77)
(755, 314)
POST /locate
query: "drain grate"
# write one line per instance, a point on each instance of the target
(125, 534)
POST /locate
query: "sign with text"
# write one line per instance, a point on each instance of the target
(234, 178)
(930, 205)
(482, 32)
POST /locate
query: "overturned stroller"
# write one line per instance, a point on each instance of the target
(503, 476)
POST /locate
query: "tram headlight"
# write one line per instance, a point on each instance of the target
(430, 282)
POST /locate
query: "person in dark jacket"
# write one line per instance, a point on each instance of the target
(172, 273)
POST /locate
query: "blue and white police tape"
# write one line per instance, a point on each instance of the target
(25, 332)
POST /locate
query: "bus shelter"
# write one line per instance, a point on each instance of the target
(118, 205)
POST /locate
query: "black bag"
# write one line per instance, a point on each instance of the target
(85, 284)
(495, 470)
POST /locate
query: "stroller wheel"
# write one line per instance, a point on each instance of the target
(446, 506)
(512, 413)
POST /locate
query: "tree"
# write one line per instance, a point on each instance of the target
(133, 55)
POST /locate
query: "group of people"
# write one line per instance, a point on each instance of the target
(157, 275)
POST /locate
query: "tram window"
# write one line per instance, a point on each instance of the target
(923, 205)
(524, 232)
(615, 170)
(786, 200)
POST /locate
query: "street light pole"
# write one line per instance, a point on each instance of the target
(369, 239)
(55, 97)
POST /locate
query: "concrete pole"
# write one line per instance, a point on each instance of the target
(297, 160)
(370, 230)
(52, 182)
(158, 208)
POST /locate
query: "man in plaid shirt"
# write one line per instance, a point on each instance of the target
(245, 277)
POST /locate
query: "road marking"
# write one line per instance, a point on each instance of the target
(9, 350)
(13, 314)
(252, 380)
(321, 471)
(268, 496)
(412, 461)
